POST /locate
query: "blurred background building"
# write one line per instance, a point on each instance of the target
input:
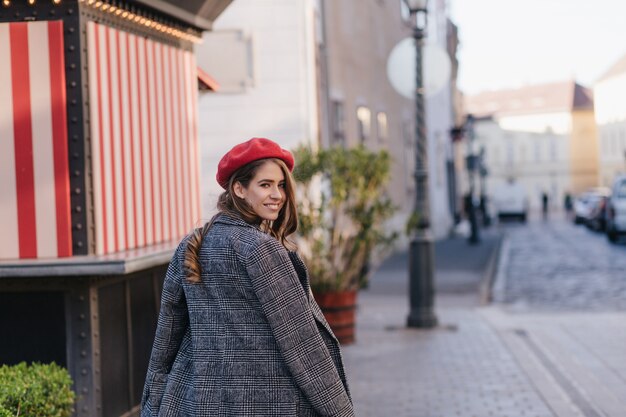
(543, 136)
(314, 72)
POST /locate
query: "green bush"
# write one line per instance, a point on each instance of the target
(35, 390)
(342, 210)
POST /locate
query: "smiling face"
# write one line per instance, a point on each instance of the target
(265, 193)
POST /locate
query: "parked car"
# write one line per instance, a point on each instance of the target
(616, 211)
(585, 203)
(598, 211)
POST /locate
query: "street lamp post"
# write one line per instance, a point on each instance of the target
(472, 163)
(421, 285)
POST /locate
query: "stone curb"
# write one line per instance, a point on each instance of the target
(485, 295)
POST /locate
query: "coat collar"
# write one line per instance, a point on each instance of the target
(234, 221)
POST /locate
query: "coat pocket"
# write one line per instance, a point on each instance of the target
(153, 393)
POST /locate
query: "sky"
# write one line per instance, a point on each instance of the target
(512, 43)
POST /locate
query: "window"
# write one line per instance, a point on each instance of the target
(338, 121)
(381, 125)
(364, 123)
(537, 151)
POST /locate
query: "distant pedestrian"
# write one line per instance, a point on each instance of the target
(568, 204)
(544, 204)
(239, 332)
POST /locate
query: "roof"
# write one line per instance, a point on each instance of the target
(541, 98)
(618, 68)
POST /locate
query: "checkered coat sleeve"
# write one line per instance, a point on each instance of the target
(249, 340)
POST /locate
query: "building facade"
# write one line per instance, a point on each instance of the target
(543, 136)
(319, 77)
(610, 117)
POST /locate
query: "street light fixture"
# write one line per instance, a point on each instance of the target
(421, 255)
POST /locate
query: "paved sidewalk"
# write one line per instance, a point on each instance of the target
(481, 360)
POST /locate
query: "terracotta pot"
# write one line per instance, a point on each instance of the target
(339, 308)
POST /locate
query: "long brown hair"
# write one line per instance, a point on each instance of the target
(228, 203)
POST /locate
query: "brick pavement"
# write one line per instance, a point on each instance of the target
(482, 360)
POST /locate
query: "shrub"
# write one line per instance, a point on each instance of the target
(342, 210)
(35, 390)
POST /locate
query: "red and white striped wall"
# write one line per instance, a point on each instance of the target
(35, 217)
(144, 147)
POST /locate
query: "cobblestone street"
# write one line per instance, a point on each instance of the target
(557, 265)
(550, 345)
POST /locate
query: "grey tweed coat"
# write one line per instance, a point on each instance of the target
(249, 340)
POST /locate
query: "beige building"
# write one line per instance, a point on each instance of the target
(610, 116)
(543, 135)
(314, 71)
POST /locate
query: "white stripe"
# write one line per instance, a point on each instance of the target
(171, 196)
(9, 248)
(162, 199)
(184, 139)
(127, 144)
(117, 157)
(95, 137)
(43, 152)
(134, 101)
(107, 172)
(156, 199)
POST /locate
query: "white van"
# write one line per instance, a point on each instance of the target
(616, 214)
(510, 200)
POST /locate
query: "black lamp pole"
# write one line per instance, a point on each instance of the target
(421, 282)
(472, 165)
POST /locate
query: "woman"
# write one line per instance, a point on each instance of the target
(239, 333)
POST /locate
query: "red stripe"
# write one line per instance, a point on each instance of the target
(105, 234)
(132, 139)
(23, 141)
(174, 193)
(59, 138)
(122, 114)
(144, 186)
(148, 88)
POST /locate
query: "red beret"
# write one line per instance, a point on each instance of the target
(244, 153)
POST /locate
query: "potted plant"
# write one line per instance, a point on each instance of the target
(342, 209)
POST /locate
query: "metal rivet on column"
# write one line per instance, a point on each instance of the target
(79, 244)
(77, 190)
